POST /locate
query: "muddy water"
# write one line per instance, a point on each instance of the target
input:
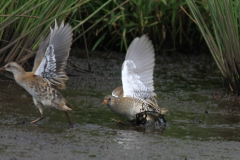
(184, 84)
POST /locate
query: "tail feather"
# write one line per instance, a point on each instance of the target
(68, 105)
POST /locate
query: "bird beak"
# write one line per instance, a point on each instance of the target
(2, 68)
(104, 102)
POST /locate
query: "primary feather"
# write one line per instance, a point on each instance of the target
(137, 69)
(56, 47)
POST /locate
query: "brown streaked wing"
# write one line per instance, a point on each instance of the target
(54, 60)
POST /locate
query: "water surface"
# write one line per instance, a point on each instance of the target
(184, 84)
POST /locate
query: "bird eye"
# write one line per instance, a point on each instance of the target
(109, 99)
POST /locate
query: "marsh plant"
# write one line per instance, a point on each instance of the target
(223, 42)
(162, 20)
(104, 24)
(23, 23)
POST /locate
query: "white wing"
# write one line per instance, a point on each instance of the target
(40, 53)
(54, 60)
(137, 69)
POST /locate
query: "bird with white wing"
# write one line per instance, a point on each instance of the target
(48, 72)
(135, 99)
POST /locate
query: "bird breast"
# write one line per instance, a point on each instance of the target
(128, 107)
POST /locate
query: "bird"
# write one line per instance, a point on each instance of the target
(136, 99)
(47, 75)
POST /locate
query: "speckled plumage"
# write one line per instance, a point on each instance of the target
(48, 74)
(128, 106)
(43, 92)
(136, 96)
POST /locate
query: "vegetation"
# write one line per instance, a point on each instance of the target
(113, 24)
(224, 41)
(109, 25)
(162, 20)
(24, 22)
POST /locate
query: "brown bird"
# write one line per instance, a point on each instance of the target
(48, 72)
(136, 99)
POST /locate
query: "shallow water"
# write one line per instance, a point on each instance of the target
(183, 84)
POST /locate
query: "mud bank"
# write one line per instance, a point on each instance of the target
(184, 84)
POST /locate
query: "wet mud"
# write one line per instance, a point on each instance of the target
(199, 125)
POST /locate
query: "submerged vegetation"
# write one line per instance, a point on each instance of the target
(224, 42)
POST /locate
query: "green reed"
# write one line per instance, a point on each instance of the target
(223, 42)
(105, 24)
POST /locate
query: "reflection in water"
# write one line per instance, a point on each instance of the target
(128, 140)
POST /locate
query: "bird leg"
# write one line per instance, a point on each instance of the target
(40, 107)
(163, 119)
(141, 118)
(39, 119)
(118, 121)
(69, 118)
(144, 118)
(143, 108)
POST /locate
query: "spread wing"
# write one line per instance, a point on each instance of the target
(137, 69)
(56, 48)
(40, 53)
(118, 92)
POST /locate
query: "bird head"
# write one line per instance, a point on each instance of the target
(12, 67)
(109, 100)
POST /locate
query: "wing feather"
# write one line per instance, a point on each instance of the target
(137, 69)
(40, 53)
(53, 62)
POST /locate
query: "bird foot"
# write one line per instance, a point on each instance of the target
(39, 119)
(118, 121)
(69, 119)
